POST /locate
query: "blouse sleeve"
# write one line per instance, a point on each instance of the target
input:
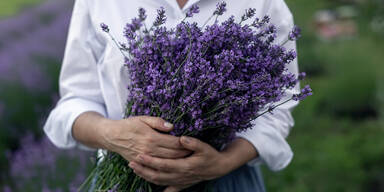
(269, 131)
(79, 80)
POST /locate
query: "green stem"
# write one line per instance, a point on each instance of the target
(117, 44)
(87, 181)
(285, 42)
(217, 16)
(274, 107)
(207, 21)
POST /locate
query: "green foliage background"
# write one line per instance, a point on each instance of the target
(10, 7)
(338, 139)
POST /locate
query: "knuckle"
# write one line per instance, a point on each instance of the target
(149, 139)
(190, 168)
(153, 177)
(146, 150)
(176, 142)
(164, 167)
(176, 154)
(126, 156)
(193, 145)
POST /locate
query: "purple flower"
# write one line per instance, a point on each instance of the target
(24, 52)
(104, 27)
(142, 14)
(305, 92)
(193, 10)
(302, 76)
(258, 23)
(295, 33)
(249, 13)
(160, 18)
(220, 8)
(32, 47)
(26, 163)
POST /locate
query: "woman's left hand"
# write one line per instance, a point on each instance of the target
(206, 163)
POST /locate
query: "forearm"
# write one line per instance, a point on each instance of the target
(238, 153)
(87, 129)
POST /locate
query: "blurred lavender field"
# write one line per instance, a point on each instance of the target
(31, 49)
(37, 35)
(39, 166)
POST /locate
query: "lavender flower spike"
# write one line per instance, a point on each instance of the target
(302, 76)
(249, 13)
(142, 15)
(104, 27)
(161, 18)
(305, 92)
(295, 33)
(193, 10)
(220, 8)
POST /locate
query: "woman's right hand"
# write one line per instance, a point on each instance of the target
(140, 135)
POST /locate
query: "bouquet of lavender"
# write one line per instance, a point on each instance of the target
(209, 81)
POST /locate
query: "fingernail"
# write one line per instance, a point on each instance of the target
(168, 125)
(131, 165)
(186, 140)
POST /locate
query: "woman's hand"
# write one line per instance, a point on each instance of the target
(137, 135)
(205, 163)
(129, 137)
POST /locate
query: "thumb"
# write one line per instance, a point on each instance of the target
(193, 144)
(157, 123)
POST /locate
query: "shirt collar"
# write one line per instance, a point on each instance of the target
(175, 5)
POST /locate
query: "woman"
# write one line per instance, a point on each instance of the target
(93, 94)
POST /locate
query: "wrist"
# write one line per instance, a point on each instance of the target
(103, 132)
(229, 162)
(88, 129)
(237, 153)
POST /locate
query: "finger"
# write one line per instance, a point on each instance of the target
(193, 144)
(162, 152)
(157, 123)
(168, 141)
(173, 189)
(153, 176)
(164, 165)
(177, 188)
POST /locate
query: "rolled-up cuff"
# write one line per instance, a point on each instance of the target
(59, 124)
(271, 146)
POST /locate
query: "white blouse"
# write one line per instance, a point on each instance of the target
(93, 77)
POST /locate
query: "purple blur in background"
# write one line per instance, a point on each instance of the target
(31, 49)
